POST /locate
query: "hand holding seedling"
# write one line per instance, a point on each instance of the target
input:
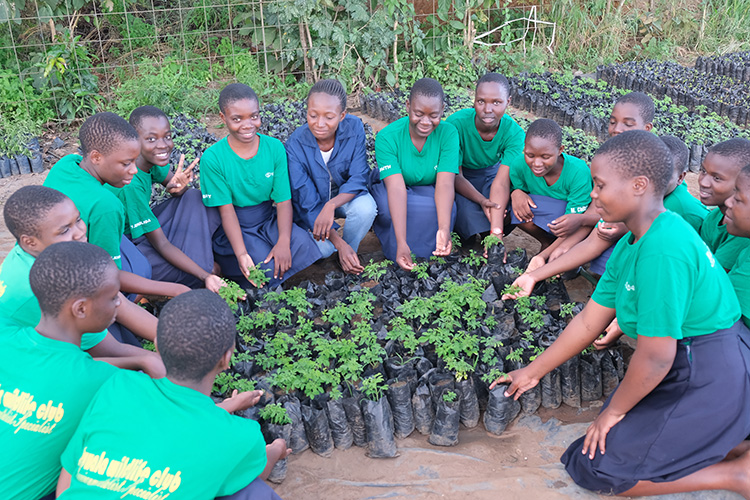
(596, 434)
(182, 176)
(521, 381)
(282, 259)
(403, 257)
(443, 243)
(522, 204)
(324, 222)
(521, 287)
(565, 225)
(246, 263)
(213, 283)
(349, 259)
(611, 334)
(241, 400)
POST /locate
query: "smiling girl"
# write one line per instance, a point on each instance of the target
(328, 174)
(418, 161)
(737, 219)
(243, 175)
(678, 419)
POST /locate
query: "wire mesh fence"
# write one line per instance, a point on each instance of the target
(64, 59)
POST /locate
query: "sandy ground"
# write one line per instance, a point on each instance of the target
(523, 463)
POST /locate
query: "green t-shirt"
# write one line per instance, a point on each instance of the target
(725, 246)
(102, 212)
(396, 154)
(45, 386)
(680, 201)
(228, 179)
(189, 448)
(136, 197)
(667, 284)
(574, 184)
(475, 152)
(18, 305)
(740, 278)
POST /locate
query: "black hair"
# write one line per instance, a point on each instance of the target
(138, 114)
(103, 132)
(195, 329)
(495, 78)
(27, 208)
(68, 270)
(643, 102)
(637, 152)
(546, 129)
(331, 87)
(745, 170)
(737, 149)
(428, 87)
(235, 92)
(680, 152)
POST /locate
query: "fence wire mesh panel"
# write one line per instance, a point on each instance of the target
(62, 60)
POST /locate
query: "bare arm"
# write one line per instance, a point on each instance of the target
(281, 253)
(178, 259)
(500, 195)
(136, 319)
(324, 221)
(63, 483)
(444, 197)
(132, 283)
(231, 226)
(396, 188)
(128, 357)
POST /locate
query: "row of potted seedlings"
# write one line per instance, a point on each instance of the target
(690, 87)
(735, 65)
(20, 157)
(368, 360)
(586, 104)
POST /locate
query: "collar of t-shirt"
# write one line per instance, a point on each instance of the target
(326, 155)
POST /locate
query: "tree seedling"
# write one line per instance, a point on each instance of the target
(491, 240)
(231, 293)
(376, 270)
(374, 387)
(275, 414)
(257, 276)
(515, 355)
(492, 375)
(567, 309)
(421, 270)
(456, 240)
(474, 259)
(450, 396)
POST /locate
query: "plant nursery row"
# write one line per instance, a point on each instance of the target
(735, 65)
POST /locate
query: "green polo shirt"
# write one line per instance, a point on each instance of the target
(45, 386)
(136, 198)
(395, 153)
(475, 152)
(574, 184)
(100, 209)
(18, 305)
(228, 179)
(667, 284)
(739, 275)
(680, 201)
(190, 449)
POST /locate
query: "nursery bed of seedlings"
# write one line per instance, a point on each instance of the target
(690, 87)
(735, 65)
(364, 360)
(586, 104)
(20, 155)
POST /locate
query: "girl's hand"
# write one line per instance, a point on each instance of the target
(565, 225)
(324, 222)
(282, 260)
(522, 204)
(527, 284)
(487, 207)
(182, 177)
(213, 283)
(403, 257)
(596, 435)
(521, 381)
(443, 243)
(245, 262)
(613, 333)
(611, 232)
(349, 259)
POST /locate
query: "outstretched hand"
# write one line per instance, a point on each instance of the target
(443, 243)
(520, 382)
(526, 283)
(403, 258)
(182, 176)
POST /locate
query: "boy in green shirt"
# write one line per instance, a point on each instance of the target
(175, 238)
(110, 147)
(489, 140)
(737, 217)
(547, 183)
(717, 180)
(46, 380)
(195, 337)
(39, 216)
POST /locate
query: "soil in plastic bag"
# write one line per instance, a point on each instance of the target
(551, 389)
(445, 428)
(297, 439)
(469, 407)
(610, 380)
(500, 410)
(440, 382)
(317, 430)
(341, 433)
(591, 377)
(272, 432)
(399, 397)
(531, 400)
(570, 381)
(379, 424)
(355, 418)
(424, 411)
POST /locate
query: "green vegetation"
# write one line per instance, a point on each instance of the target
(275, 414)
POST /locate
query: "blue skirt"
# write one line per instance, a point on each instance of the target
(470, 218)
(421, 220)
(188, 225)
(691, 420)
(547, 209)
(599, 264)
(256, 490)
(260, 232)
